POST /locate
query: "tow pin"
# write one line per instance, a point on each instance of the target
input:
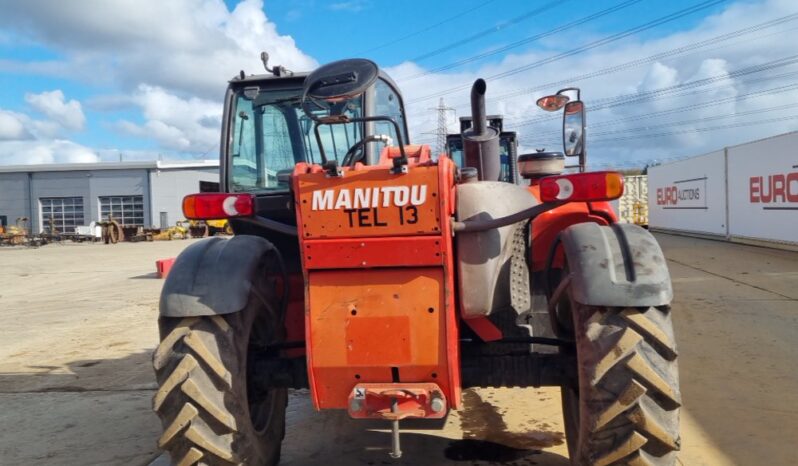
(396, 451)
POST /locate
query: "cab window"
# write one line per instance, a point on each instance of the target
(387, 103)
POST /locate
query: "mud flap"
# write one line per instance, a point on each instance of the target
(213, 276)
(620, 265)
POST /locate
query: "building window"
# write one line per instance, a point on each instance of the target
(127, 210)
(61, 213)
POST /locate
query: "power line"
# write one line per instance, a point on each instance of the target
(654, 94)
(699, 130)
(547, 138)
(428, 28)
(712, 103)
(598, 43)
(690, 130)
(527, 40)
(491, 30)
(696, 120)
(656, 57)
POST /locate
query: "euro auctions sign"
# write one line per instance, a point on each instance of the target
(776, 191)
(683, 194)
(763, 189)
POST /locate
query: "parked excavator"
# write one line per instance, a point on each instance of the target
(387, 280)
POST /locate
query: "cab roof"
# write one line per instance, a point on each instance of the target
(265, 77)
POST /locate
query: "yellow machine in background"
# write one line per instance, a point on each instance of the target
(15, 234)
(205, 228)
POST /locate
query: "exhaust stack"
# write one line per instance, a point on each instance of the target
(481, 142)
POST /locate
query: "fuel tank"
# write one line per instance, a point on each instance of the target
(485, 258)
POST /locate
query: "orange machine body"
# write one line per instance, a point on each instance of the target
(377, 258)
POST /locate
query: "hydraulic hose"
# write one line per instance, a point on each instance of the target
(483, 225)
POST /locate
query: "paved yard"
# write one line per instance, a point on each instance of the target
(79, 322)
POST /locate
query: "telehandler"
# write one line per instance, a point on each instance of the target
(386, 280)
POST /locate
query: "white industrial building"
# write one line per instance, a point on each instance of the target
(147, 194)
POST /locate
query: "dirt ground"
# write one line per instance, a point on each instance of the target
(79, 322)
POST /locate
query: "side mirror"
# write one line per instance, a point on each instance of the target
(573, 128)
(337, 82)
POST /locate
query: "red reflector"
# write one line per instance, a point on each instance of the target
(594, 186)
(212, 206)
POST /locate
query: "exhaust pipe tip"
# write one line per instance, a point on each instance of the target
(479, 119)
(481, 143)
(479, 87)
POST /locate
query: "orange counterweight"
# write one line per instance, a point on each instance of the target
(378, 263)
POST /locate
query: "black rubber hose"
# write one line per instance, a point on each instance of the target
(482, 225)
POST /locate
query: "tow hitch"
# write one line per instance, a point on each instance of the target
(395, 402)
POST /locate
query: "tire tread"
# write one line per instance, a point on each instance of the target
(633, 398)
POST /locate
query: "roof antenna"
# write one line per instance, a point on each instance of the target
(275, 70)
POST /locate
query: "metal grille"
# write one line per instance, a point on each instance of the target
(61, 213)
(127, 210)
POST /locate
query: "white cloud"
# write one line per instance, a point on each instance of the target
(191, 46)
(171, 61)
(20, 126)
(182, 124)
(53, 105)
(658, 76)
(25, 140)
(12, 126)
(37, 152)
(715, 61)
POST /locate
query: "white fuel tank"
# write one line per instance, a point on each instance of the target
(484, 257)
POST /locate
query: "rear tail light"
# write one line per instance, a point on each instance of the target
(595, 186)
(212, 206)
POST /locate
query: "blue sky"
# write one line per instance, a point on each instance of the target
(145, 79)
(322, 29)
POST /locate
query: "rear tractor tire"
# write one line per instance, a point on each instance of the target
(212, 411)
(625, 410)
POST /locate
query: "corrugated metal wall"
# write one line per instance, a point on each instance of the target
(167, 186)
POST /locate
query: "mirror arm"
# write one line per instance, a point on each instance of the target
(578, 92)
(318, 141)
